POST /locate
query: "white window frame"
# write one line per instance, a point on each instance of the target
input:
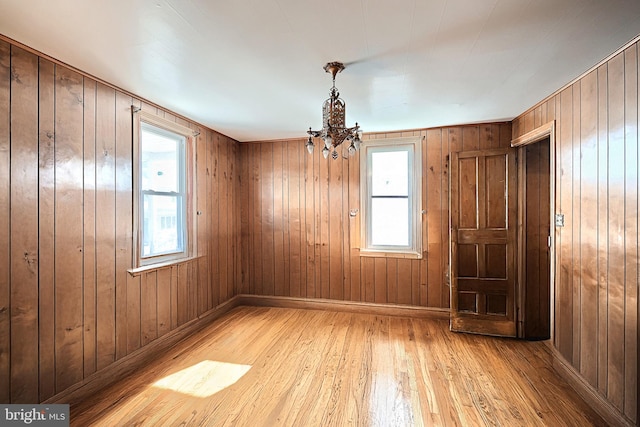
(141, 119)
(414, 146)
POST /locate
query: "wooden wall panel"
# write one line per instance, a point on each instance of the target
(596, 277)
(589, 228)
(68, 306)
(5, 215)
(631, 231)
(89, 224)
(291, 199)
(68, 232)
(46, 228)
(105, 226)
(24, 227)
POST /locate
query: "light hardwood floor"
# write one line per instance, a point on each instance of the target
(292, 367)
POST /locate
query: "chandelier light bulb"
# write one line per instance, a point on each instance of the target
(325, 152)
(310, 146)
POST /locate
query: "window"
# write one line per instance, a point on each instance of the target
(391, 202)
(162, 206)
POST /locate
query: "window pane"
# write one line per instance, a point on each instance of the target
(160, 156)
(390, 173)
(389, 222)
(161, 233)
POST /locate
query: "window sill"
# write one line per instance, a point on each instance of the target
(157, 266)
(388, 254)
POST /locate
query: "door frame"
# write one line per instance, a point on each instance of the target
(548, 130)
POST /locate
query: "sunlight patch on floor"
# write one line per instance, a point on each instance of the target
(204, 379)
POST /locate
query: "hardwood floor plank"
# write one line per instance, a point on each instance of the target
(259, 366)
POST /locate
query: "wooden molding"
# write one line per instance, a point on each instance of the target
(345, 306)
(606, 410)
(548, 129)
(131, 362)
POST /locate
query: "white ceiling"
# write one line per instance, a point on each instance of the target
(252, 69)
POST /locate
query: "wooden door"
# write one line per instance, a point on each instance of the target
(483, 241)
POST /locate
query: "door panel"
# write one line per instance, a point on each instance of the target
(483, 237)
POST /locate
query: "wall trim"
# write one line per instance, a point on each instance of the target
(344, 306)
(610, 414)
(131, 362)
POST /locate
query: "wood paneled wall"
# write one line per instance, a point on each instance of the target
(298, 239)
(68, 306)
(596, 309)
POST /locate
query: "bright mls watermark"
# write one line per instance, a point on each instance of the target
(37, 415)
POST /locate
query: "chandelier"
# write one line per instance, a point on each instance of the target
(333, 131)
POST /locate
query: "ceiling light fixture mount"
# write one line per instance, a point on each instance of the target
(333, 131)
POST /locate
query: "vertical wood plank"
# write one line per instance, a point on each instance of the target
(576, 222)
(148, 309)
(631, 233)
(354, 229)
(124, 215)
(266, 167)
(380, 280)
(564, 303)
(404, 281)
(424, 229)
(89, 227)
(68, 227)
(230, 180)
(182, 293)
(589, 230)
(278, 219)
(296, 235)
(5, 217)
(345, 230)
(415, 282)
(46, 228)
(336, 212)
(603, 228)
(435, 248)
(24, 227)
(174, 297)
(615, 326)
(245, 203)
(255, 210)
(134, 301)
(202, 222)
(214, 221)
(368, 279)
(314, 240)
(286, 220)
(163, 301)
(105, 225)
(323, 291)
(391, 280)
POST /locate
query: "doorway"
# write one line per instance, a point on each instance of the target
(537, 241)
(536, 233)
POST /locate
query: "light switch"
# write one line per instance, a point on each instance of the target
(559, 220)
